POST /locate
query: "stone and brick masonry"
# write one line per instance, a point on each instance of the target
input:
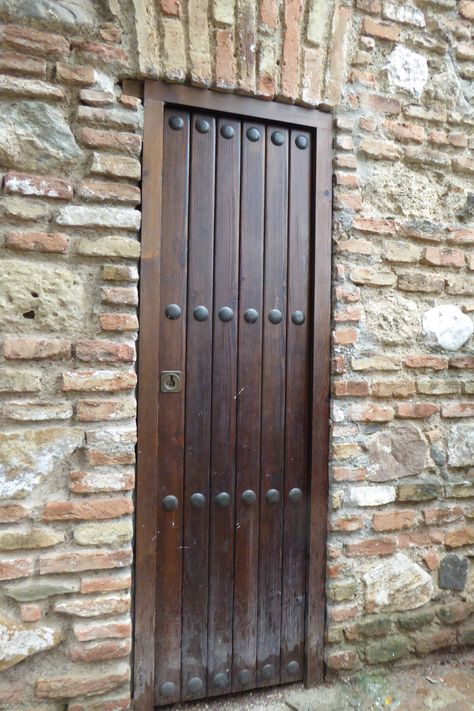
(398, 78)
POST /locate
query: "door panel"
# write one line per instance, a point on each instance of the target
(234, 410)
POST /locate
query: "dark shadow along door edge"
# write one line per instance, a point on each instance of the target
(156, 96)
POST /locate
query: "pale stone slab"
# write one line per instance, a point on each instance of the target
(396, 584)
(80, 216)
(19, 641)
(407, 71)
(371, 495)
(447, 327)
(461, 445)
(41, 588)
(66, 12)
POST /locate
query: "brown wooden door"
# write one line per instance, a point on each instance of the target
(234, 404)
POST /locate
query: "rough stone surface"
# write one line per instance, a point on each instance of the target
(67, 12)
(453, 572)
(397, 453)
(396, 584)
(447, 327)
(28, 590)
(393, 320)
(19, 641)
(407, 70)
(27, 141)
(461, 445)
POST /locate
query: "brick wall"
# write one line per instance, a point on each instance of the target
(399, 80)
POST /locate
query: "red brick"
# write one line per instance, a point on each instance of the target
(75, 74)
(372, 413)
(347, 179)
(123, 295)
(83, 482)
(380, 31)
(431, 560)
(461, 362)
(75, 562)
(349, 473)
(339, 614)
(344, 336)
(345, 161)
(41, 186)
(382, 104)
(350, 388)
(290, 68)
(21, 64)
(438, 516)
(66, 686)
(87, 631)
(98, 380)
(30, 613)
(344, 143)
(426, 232)
(393, 520)
(34, 41)
(110, 140)
(426, 361)
(389, 389)
(346, 523)
(97, 410)
(109, 192)
(105, 584)
(99, 52)
(9, 513)
(52, 242)
(375, 226)
(460, 235)
(36, 348)
(460, 537)
(338, 365)
(352, 313)
(348, 293)
(115, 704)
(105, 351)
(374, 7)
(16, 568)
(458, 409)
(347, 201)
(424, 537)
(371, 546)
(341, 660)
(99, 651)
(431, 641)
(463, 165)
(416, 410)
(118, 322)
(87, 509)
(368, 123)
(444, 257)
(405, 132)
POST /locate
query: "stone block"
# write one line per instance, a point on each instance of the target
(415, 620)
(20, 381)
(75, 685)
(41, 588)
(461, 445)
(396, 453)
(20, 641)
(421, 491)
(115, 217)
(446, 326)
(396, 584)
(389, 650)
(371, 495)
(453, 572)
(107, 533)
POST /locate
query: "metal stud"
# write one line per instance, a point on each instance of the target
(202, 126)
(278, 138)
(272, 496)
(223, 499)
(173, 311)
(298, 318)
(248, 497)
(226, 313)
(301, 142)
(227, 131)
(253, 134)
(293, 668)
(251, 315)
(168, 689)
(221, 680)
(275, 316)
(267, 671)
(176, 123)
(169, 503)
(197, 501)
(200, 313)
(244, 677)
(295, 495)
(194, 685)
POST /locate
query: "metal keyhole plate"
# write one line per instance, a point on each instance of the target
(170, 381)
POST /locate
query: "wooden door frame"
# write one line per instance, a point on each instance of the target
(156, 96)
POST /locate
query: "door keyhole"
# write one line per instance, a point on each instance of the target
(170, 381)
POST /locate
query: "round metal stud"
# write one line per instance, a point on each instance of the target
(176, 123)
(173, 311)
(301, 142)
(267, 671)
(226, 313)
(275, 316)
(202, 126)
(272, 496)
(200, 313)
(223, 499)
(221, 680)
(253, 134)
(197, 501)
(248, 497)
(295, 495)
(251, 315)
(244, 677)
(278, 138)
(293, 668)
(194, 685)
(227, 131)
(168, 689)
(298, 318)
(169, 503)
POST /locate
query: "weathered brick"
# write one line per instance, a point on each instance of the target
(393, 520)
(13, 568)
(26, 184)
(88, 631)
(30, 612)
(97, 410)
(25, 348)
(431, 641)
(101, 605)
(436, 516)
(370, 547)
(10, 513)
(49, 242)
(29, 88)
(348, 388)
(375, 226)
(98, 380)
(34, 41)
(344, 336)
(372, 413)
(66, 686)
(113, 246)
(349, 473)
(22, 64)
(420, 281)
(99, 651)
(102, 583)
(75, 562)
(87, 509)
(402, 253)
(75, 74)
(118, 322)
(105, 351)
(393, 389)
(458, 409)
(416, 410)
(115, 166)
(19, 381)
(380, 150)
(101, 479)
(110, 140)
(373, 28)
(342, 660)
(461, 362)
(123, 295)
(376, 363)
(434, 362)
(444, 257)
(371, 276)
(100, 52)
(109, 192)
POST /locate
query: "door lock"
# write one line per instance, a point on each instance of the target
(170, 381)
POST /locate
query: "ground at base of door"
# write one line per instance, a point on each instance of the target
(447, 684)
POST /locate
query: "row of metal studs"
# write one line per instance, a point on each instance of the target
(197, 500)
(200, 313)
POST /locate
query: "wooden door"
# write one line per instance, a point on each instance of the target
(233, 340)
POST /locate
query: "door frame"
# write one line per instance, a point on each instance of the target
(156, 96)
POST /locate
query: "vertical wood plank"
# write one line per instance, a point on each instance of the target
(249, 407)
(317, 530)
(172, 354)
(198, 406)
(273, 408)
(224, 393)
(297, 408)
(148, 385)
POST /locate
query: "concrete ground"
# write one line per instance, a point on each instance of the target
(447, 684)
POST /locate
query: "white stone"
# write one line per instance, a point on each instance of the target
(447, 327)
(461, 445)
(68, 12)
(407, 71)
(121, 217)
(19, 641)
(371, 495)
(396, 584)
(406, 14)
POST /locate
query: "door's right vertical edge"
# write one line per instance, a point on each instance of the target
(317, 528)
